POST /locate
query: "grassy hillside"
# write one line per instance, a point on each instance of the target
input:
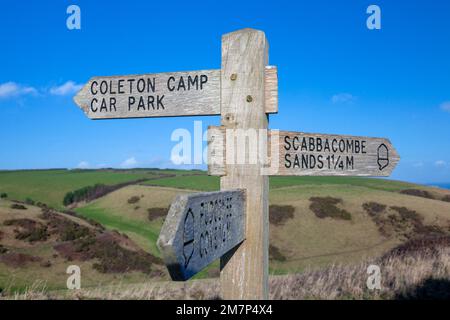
(50, 186)
(209, 183)
(114, 211)
(314, 221)
(421, 273)
(199, 182)
(37, 246)
(306, 240)
(301, 241)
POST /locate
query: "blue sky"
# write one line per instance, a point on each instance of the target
(335, 75)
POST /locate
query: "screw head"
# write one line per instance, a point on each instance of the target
(233, 76)
(249, 98)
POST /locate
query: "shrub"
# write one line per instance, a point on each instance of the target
(3, 249)
(400, 221)
(278, 215)
(424, 244)
(30, 229)
(134, 199)
(155, 213)
(275, 254)
(67, 229)
(72, 231)
(36, 234)
(41, 205)
(3, 195)
(111, 256)
(418, 193)
(29, 201)
(327, 207)
(407, 214)
(18, 206)
(82, 194)
(68, 198)
(373, 208)
(90, 193)
(46, 264)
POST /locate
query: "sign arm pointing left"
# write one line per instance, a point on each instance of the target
(170, 94)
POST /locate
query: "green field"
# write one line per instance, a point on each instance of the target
(211, 183)
(197, 182)
(143, 234)
(371, 183)
(50, 186)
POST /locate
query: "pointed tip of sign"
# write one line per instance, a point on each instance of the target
(78, 101)
(394, 151)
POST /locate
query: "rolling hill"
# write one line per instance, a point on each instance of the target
(315, 222)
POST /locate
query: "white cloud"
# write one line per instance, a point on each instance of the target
(418, 164)
(445, 106)
(343, 98)
(83, 165)
(129, 163)
(69, 87)
(11, 89)
(440, 163)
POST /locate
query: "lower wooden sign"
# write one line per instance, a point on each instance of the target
(199, 229)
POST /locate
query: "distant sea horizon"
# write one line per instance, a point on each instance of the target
(440, 185)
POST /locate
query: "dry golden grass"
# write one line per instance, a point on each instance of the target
(308, 242)
(421, 275)
(116, 203)
(401, 277)
(312, 247)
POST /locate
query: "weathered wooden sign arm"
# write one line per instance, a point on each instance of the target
(170, 94)
(199, 229)
(306, 154)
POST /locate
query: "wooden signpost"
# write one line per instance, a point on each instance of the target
(199, 229)
(231, 224)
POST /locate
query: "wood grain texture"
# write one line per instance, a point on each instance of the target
(307, 154)
(244, 271)
(271, 89)
(199, 229)
(191, 95)
(216, 151)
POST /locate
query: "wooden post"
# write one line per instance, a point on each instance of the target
(244, 270)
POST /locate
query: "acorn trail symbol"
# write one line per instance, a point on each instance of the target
(383, 156)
